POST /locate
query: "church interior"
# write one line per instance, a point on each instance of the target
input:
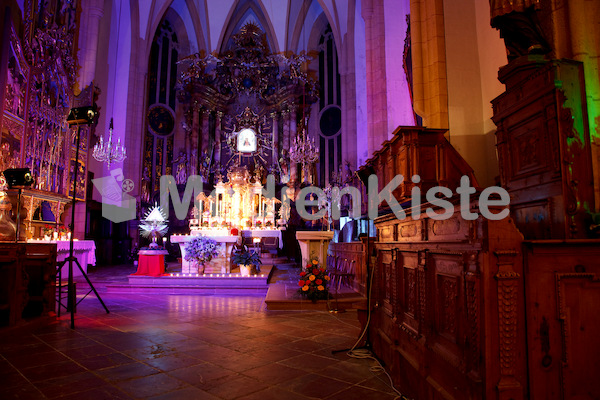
(211, 199)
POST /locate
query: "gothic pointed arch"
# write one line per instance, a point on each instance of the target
(248, 11)
(190, 6)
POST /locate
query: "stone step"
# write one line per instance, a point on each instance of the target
(285, 296)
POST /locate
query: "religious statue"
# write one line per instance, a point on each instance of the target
(181, 172)
(284, 167)
(193, 165)
(519, 27)
(205, 164)
(145, 192)
(259, 172)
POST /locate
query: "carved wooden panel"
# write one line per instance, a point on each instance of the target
(417, 151)
(386, 266)
(27, 287)
(409, 286)
(455, 320)
(563, 303)
(544, 148)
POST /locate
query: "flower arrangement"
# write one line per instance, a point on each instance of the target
(201, 249)
(313, 281)
(48, 229)
(259, 223)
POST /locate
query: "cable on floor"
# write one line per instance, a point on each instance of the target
(367, 354)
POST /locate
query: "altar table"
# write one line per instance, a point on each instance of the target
(83, 250)
(151, 262)
(220, 263)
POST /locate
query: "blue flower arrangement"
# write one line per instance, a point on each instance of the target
(201, 249)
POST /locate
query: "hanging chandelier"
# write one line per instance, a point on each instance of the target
(303, 149)
(108, 151)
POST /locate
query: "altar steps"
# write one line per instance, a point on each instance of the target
(207, 284)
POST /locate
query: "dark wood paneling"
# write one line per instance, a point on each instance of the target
(27, 281)
(450, 317)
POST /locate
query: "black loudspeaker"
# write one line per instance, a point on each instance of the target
(82, 115)
(18, 177)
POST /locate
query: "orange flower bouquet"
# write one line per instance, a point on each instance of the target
(313, 281)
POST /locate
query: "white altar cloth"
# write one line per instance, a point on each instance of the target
(260, 233)
(83, 250)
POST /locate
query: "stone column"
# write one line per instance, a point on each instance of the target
(430, 86)
(88, 41)
(376, 83)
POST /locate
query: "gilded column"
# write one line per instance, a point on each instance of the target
(285, 142)
(194, 145)
(275, 137)
(293, 124)
(204, 132)
(291, 137)
(218, 118)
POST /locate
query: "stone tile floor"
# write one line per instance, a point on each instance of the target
(187, 347)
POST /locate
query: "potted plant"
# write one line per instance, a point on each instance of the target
(249, 261)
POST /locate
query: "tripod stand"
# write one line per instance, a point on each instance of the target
(71, 295)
